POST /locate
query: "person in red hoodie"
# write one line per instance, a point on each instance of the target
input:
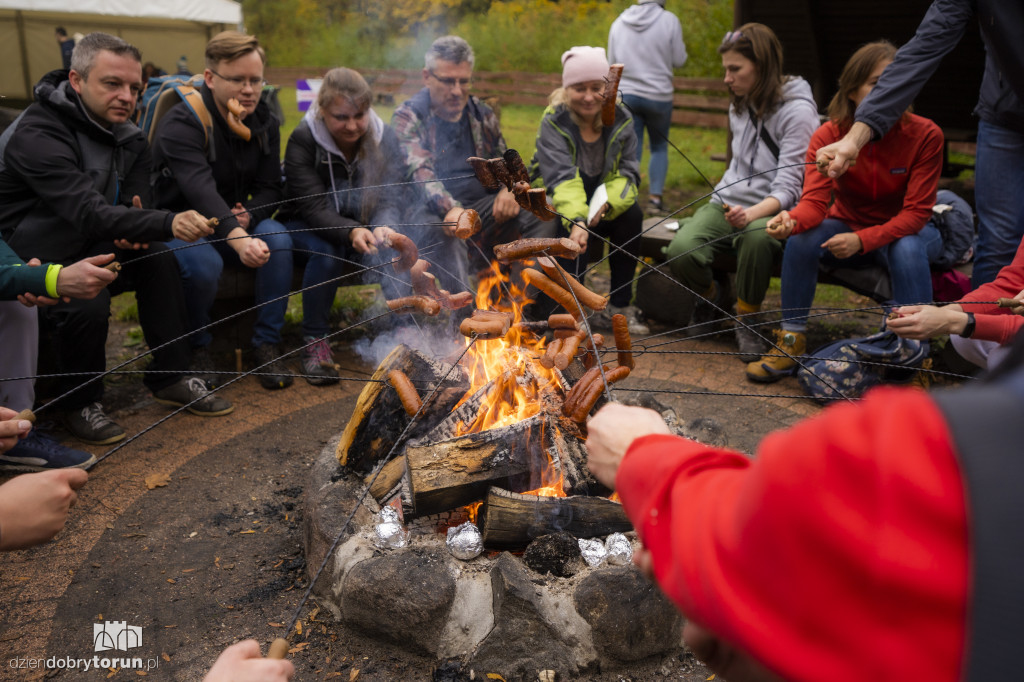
(979, 329)
(873, 541)
(874, 214)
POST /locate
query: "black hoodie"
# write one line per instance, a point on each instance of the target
(66, 182)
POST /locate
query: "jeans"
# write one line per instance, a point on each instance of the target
(998, 188)
(202, 265)
(656, 117)
(323, 264)
(906, 259)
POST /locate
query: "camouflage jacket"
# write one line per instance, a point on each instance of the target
(412, 122)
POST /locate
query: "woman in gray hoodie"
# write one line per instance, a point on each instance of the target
(771, 119)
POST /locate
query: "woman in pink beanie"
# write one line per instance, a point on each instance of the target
(576, 154)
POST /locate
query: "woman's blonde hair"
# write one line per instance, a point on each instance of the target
(856, 73)
(559, 97)
(759, 44)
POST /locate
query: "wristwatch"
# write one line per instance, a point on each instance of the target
(969, 327)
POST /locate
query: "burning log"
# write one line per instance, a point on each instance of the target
(512, 520)
(379, 417)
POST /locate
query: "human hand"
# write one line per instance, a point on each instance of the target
(30, 300)
(241, 215)
(362, 240)
(252, 251)
(86, 278)
(843, 245)
(737, 217)
(835, 159)
(189, 226)
(126, 245)
(505, 206)
(34, 507)
(643, 560)
(725, 660)
(579, 235)
(11, 428)
(242, 661)
(611, 431)
(781, 226)
(927, 321)
(599, 216)
(136, 201)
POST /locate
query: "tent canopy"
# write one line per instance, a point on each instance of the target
(207, 11)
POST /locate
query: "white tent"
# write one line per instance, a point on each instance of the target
(165, 30)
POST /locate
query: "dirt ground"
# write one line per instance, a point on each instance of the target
(214, 554)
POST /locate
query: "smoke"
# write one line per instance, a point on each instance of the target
(433, 341)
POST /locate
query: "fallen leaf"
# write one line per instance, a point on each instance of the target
(187, 570)
(141, 673)
(193, 534)
(275, 625)
(495, 676)
(168, 627)
(22, 577)
(710, 678)
(354, 675)
(298, 627)
(164, 656)
(246, 532)
(96, 565)
(171, 580)
(157, 480)
(298, 647)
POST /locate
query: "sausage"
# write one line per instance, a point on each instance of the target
(460, 300)
(548, 359)
(560, 295)
(407, 251)
(568, 350)
(620, 327)
(572, 398)
(611, 91)
(590, 357)
(234, 120)
(524, 248)
(411, 304)
(561, 321)
(406, 391)
(539, 204)
(521, 191)
(483, 172)
(564, 333)
(467, 224)
(594, 391)
(483, 328)
(556, 272)
(516, 168)
(500, 172)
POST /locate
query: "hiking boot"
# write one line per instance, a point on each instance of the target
(37, 452)
(633, 317)
(274, 373)
(91, 425)
(317, 362)
(750, 344)
(192, 391)
(706, 316)
(778, 363)
(203, 367)
(601, 319)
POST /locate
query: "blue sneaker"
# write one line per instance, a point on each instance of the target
(37, 452)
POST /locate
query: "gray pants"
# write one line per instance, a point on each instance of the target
(19, 351)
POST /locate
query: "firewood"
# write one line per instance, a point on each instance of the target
(511, 520)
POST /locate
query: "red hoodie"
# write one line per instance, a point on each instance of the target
(821, 558)
(887, 194)
(992, 322)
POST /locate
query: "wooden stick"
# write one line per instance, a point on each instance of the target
(27, 415)
(113, 266)
(278, 648)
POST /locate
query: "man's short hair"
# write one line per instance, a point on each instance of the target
(228, 46)
(450, 49)
(61, 32)
(86, 49)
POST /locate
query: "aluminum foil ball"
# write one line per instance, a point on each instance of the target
(593, 551)
(388, 532)
(619, 548)
(465, 541)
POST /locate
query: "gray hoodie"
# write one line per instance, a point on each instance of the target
(648, 40)
(788, 128)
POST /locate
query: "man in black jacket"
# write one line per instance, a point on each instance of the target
(220, 173)
(74, 175)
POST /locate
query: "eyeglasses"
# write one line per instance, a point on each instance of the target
(452, 82)
(732, 37)
(240, 82)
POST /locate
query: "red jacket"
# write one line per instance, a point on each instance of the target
(992, 322)
(887, 194)
(819, 558)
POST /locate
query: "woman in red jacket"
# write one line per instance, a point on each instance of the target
(874, 214)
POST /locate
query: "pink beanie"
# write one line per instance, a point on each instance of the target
(581, 64)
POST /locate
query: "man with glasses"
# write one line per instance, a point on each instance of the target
(221, 174)
(439, 128)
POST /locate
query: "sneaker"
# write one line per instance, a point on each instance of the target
(750, 343)
(317, 362)
(91, 425)
(633, 317)
(38, 452)
(602, 319)
(779, 362)
(203, 367)
(274, 373)
(192, 391)
(707, 313)
(654, 206)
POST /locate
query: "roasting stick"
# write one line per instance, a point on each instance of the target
(280, 645)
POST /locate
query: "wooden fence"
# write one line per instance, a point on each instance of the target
(702, 102)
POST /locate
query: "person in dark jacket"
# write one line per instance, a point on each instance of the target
(337, 161)
(999, 171)
(222, 175)
(74, 174)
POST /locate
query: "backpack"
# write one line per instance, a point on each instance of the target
(954, 219)
(853, 366)
(163, 92)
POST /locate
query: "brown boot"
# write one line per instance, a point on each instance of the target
(778, 363)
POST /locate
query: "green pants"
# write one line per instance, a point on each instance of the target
(756, 253)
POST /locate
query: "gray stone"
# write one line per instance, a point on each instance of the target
(630, 618)
(404, 597)
(557, 554)
(522, 641)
